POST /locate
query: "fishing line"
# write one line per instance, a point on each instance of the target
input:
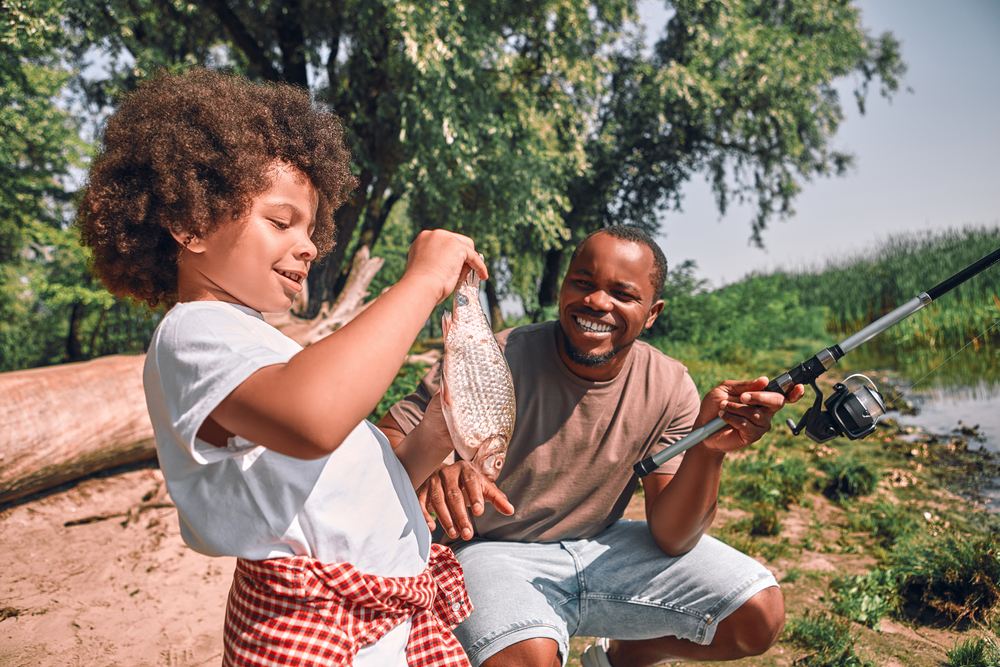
(931, 371)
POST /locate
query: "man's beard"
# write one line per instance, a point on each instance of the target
(590, 360)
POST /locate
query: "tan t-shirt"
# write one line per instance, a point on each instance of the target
(569, 464)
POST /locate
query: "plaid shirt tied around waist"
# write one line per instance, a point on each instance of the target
(299, 611)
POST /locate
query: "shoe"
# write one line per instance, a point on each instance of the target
(596, 654)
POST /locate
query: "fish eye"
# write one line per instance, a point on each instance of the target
(461, 300)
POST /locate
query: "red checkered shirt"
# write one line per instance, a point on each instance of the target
(299, 611)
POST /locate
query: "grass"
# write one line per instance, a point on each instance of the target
(848, 477)
(828, 640)
(859, 289)
(866, 598)
(976, 651)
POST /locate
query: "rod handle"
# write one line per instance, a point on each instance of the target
(651, 463)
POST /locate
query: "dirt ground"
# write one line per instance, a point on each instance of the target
(124, 590)
(96, 574)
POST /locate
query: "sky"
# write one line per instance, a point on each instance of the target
(927, 160)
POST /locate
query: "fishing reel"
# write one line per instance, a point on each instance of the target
(851, 413)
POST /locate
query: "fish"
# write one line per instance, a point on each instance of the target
(477, 390)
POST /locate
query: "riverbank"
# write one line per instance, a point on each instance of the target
(96, 572)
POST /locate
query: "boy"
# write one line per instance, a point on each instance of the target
(216, 194)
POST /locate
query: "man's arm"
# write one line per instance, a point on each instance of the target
(680, 508)
(391, 429)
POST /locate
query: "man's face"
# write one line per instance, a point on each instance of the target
(605, 302)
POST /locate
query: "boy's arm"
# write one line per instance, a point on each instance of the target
(680, 508)
(306, 408)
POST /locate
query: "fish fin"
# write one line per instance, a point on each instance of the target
(472, 280)
(445, 397)
(445, 324)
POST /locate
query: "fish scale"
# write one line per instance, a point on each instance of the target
(477, 389)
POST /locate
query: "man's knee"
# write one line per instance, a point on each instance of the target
(538, 652)
(757, 624)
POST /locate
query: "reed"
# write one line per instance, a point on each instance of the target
(859, 289)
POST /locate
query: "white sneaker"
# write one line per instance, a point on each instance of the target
(596, 655)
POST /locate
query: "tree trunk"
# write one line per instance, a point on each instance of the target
(74, 351)
(323, 275)
(548, 288)
(64, 422)
(496, 317)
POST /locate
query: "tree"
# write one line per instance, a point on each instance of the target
(523, 124)
(456, 103)
(741, 90)
(44, 287)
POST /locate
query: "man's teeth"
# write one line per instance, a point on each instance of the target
(290, 276)
(595, 327)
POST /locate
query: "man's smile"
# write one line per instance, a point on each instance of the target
(593, 326)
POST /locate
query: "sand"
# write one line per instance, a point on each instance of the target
(124, 590)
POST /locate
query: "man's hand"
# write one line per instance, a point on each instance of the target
(746, 409)
(451, 490)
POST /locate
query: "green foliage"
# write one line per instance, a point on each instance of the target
(38, 140)
(829, 641)
(764, 478)
(866, 598)
(848, 477)
(977, 651)
(742, 89)
(406, 382)
(734, 323)
(885, 521)
(50, 309)
(524, 125)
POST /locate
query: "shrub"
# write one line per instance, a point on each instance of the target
(406, 382)
(956, 576)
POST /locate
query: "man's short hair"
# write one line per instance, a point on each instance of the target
(636, 235)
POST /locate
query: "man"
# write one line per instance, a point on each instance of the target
(555, 560)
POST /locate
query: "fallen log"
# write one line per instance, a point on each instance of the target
(64, 422)
(61, 423)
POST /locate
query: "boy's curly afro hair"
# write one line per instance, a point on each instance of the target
(187, 153)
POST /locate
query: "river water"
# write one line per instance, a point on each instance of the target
(947, 391)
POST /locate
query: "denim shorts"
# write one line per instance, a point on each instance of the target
(619, 584)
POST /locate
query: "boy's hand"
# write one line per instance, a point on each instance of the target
(746, 409)
(444, 258)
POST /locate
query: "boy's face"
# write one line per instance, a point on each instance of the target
(260, 261)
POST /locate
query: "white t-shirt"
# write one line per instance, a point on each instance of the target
(356, 505)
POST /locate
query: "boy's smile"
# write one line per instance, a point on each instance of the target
(261, 260)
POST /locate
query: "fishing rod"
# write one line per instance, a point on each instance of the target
(851, 413)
